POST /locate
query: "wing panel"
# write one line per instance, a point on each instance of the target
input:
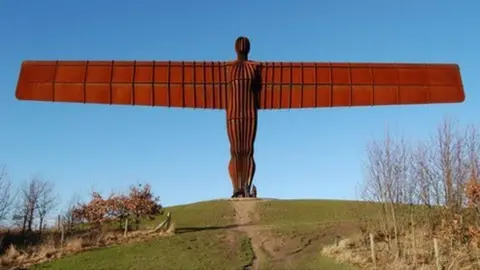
(385, 94)
(362, 95)
(145, 83)
(96, 93)
(309, 99)
(309, 85)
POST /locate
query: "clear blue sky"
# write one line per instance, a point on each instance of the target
(299, 154)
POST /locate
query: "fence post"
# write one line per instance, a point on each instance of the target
(169, 219)
(126, 228)
(372, 249)
(414, 244)
(437, 254)
(62, 237)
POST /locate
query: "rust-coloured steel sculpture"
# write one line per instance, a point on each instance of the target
(241, 87)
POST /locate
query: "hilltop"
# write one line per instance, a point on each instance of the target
(269, 234)
(232, 234)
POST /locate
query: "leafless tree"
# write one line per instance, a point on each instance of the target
(473, 149)
(70, 218)
(36, 198)
(442, 174)
(444, 164)
(5, 193)
(46, 201)
(426, 189)
(387, 182)
(450, 164)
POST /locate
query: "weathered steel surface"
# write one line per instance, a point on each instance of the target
(242, 118)
(241, 87)
(154, 83)
(312, 85)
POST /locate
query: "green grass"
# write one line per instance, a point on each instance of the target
(246, 250)
(311, 223)
(216, 213)
(202, 241)
(309, 212)
(197, 250)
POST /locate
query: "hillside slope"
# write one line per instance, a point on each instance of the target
(232, 234)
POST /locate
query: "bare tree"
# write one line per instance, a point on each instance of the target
(450, 164)
(425, 187)
(46, 201)
(70, 218)
(442, 174)
(473, 146)
(5, 193)
(387, 182)
(36, 198)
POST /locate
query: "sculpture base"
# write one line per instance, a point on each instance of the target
(241, 194)
(246, 192)
(245, 199)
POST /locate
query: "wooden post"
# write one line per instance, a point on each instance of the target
(164, 225)
(414, 244)
(372, 249)
(126, 228)
(169, 218)
(62, 236)
(437, 254)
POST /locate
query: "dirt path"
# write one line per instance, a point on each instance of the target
(245, 213)
(271, 250)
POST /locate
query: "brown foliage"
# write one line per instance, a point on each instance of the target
(138, 203)
(473, 192)
(141, 202)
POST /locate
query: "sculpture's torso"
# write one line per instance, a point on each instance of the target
(241, 97)
(242, 124)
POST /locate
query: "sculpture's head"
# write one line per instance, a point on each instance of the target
(242, 47)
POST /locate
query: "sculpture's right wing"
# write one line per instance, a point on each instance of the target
(149, 83)
(288, 85)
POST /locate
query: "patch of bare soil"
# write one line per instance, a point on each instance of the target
(245, 214)
(272, 249)
(286, 249)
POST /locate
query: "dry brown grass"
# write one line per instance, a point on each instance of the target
(51, 248)
(345, 252)
(10, 256)
(356, 251)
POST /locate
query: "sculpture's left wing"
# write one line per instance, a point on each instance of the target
(183, 84)
(286, 85)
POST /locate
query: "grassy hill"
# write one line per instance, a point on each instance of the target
(224, 234)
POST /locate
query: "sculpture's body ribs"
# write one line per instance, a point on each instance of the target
(241, 87)
(242, 124)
